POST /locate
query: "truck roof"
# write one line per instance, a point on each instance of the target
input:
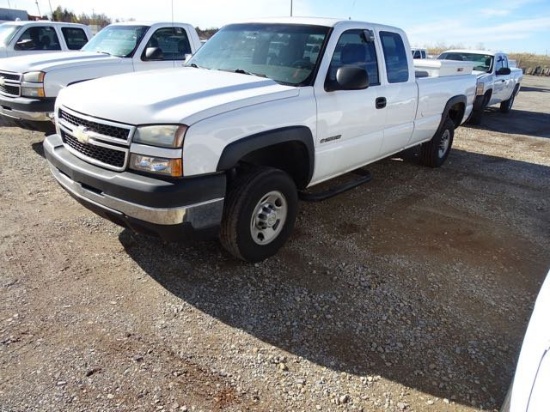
(40, 23)
(317, 21)
(150, 23)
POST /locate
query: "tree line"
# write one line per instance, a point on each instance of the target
(62, 14)
(101, 20)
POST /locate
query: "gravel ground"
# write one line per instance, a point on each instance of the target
(410, 293)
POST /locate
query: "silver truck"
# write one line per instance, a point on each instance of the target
(29, 85)
(498, 81)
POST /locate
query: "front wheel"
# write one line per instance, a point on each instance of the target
(435, 152)
(259, 214)
(506, 105)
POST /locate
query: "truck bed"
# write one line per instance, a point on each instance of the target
(441, 68)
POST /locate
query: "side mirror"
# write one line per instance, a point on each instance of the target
(503, 71)
(153, 53)
(351, 78)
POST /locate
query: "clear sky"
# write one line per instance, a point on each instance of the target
(508, 25)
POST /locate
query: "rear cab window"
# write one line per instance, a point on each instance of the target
(74, 37)
(397, 66)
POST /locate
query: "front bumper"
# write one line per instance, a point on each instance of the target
(23, 108)
(171, 210)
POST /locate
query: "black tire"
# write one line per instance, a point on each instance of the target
(506, 105)
(479, 109)
(259, 214)
(435, 152)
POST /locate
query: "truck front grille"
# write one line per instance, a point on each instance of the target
(103, 155)
(101, 128)
(10, 84)
(9, 90)
(97, 141)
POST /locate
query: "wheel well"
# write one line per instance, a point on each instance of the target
(456, 113)
(291, 157)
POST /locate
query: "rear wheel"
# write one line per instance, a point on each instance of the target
(259, 214)
(435, 152)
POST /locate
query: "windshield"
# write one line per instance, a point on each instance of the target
(286, 53)
(120, 41)
(483, 62)
(7, 31)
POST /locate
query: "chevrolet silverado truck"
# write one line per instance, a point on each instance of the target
(29, 84)
(18, 38)
(258, 118)
(498, 81)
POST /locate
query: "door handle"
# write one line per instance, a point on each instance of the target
(380, 102)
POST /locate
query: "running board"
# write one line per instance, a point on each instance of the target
(364, 177)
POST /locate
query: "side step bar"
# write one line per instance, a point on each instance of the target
(364, 177)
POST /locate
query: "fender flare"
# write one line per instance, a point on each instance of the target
(235, 151)
(450, 103)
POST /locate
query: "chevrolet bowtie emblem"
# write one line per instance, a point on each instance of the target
(82, 134)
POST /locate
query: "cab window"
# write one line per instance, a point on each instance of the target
(38, 38)
(171, 43)
(353, 48)
(397, 67)
(74, 37)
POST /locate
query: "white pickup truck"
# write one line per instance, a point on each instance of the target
(498, 81)
(227, 145)
(29, 84)
(18, 38)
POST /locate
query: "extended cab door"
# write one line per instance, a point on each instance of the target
(350, 123)
(167, 47)
(400, 93)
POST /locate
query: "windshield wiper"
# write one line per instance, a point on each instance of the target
(242, 71)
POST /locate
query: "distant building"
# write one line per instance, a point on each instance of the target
(12, 14)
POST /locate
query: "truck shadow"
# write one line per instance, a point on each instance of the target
(375, 299)
(534, 89)
(523, 122)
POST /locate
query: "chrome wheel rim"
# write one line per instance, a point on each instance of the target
(268, 218)
(444, 143)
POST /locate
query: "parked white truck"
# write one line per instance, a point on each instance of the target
(18, 38)
(29, 85)
(227, 145)
(498, 81)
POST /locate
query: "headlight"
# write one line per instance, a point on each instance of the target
(37, 88)
(479, 89)
(32, 92)
(34, 77)
(160, 135)
(157, 165)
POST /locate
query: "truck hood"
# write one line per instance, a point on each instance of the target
(47, 61)
(181, 95)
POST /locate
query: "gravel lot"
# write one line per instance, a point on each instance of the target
(410, 293)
